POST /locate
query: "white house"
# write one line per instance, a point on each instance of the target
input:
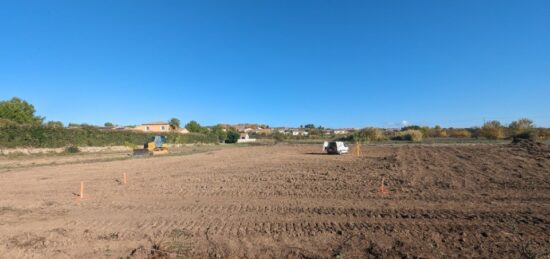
(299, 133)
(245, 138)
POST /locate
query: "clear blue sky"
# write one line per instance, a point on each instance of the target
(331, 63)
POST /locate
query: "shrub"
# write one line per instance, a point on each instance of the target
(43, 136)
(278, 136)
(232, 136)
(411, 135)
(194, 126)
(412, 127)
(218, 133)
(492, 130)
(72, 149)
(460, 133)
(521, 125)
(55, 124)
(436, 132)
(369, 134)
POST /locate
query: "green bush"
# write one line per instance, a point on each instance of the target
(6, 122)
(72, 149)
(54, 124)
(278, 136)
(232, 136)
(194, 126)
(52, 137)
(19, 111)
(218, 132)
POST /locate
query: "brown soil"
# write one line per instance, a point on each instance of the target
(286, 201)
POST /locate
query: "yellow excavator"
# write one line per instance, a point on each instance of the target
(155, 146)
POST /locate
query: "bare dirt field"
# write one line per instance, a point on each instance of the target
(285, 201)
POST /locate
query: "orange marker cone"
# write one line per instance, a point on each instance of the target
(81, 190)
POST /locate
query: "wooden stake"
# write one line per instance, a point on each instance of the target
(125, 179)
(81, 190)
(357, 149)
(382, 187)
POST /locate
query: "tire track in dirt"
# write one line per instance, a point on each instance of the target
(358, 212)
(303, 227)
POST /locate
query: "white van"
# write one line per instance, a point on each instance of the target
(335, 147)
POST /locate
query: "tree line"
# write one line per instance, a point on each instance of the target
(20, 126)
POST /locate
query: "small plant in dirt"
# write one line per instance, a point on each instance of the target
(72, 149)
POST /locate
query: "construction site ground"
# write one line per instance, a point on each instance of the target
(284, 201)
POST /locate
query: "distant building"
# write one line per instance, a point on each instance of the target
(245, 138)
(157, 126)
(299, 133)
(263, 131)
(341, 131)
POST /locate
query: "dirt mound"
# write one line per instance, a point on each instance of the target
(534, 148)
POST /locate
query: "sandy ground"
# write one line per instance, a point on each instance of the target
(285, 201)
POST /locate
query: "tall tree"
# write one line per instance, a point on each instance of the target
(219, 132)
(19, 111)
(193, 126)
(174, 123)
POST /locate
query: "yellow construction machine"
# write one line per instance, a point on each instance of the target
(155, 146)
